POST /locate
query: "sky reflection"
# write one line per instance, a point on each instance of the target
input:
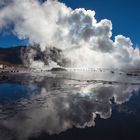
(53, 105)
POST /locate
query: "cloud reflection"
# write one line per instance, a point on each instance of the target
(54, 105)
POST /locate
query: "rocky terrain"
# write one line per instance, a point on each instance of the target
(11, 55)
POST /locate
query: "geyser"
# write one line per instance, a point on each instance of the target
(66, 37)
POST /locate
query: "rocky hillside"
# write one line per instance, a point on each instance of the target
(11, 55)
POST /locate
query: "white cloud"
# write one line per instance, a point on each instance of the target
(83, 40)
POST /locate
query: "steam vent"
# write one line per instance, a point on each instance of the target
(69, 70)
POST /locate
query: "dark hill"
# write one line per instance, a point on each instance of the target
(11, 55)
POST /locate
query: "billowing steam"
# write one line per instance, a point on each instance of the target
(66, 37)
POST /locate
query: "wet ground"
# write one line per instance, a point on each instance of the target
(62, 105)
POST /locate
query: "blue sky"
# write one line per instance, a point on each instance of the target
(124, 15)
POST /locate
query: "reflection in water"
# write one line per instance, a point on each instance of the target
(53, 105)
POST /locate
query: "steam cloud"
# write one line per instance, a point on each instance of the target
(75, 37)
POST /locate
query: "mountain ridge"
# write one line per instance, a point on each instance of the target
(11, 55)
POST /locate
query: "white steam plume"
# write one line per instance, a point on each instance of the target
(76, 33)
